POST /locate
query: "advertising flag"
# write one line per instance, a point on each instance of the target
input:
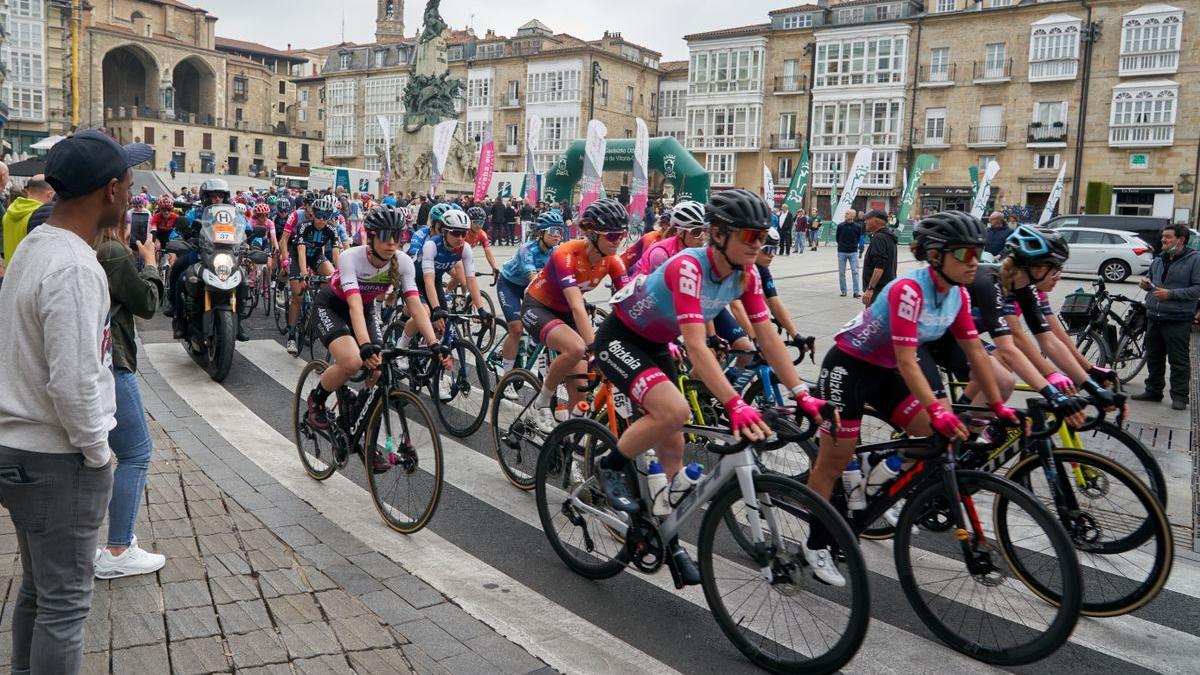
(443, 134)
(973, 172)
(858, 172)
(985, 189)
(386, 127)
(1055, 195)
(921, 164)
(795, 193)
(639, 191)
(593, 163)
(487, 164)
(768, 186)
(533, 138)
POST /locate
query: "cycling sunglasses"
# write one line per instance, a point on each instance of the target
(457, 233)
(965, 254)
(747, 236)
(612, 236)
(768, 250)
(387, 236)
(554, 231)
(323, 215)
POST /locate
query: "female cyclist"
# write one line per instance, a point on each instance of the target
(657, 231)
(689, 229)
(518, 273)
(478, 239)
(313, 246)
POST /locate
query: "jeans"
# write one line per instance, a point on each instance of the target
(1168, 340)
(56, 505)
(843, 259)
(130, 442)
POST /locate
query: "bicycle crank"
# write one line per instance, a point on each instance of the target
(645, 545)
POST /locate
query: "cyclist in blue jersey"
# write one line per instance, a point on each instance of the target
(519, 272)
(313, 248)
(417, 243)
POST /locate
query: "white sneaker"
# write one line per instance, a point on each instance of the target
(823, 567)
(544, 419)
(291, 347)
(132, 562)
(445, 386)
(892, 516)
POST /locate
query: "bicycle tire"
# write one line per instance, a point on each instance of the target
(464, 421)
(1061, 555)
(1130, 357)
(304, 436)
(519, 463)
(282, 311)
(794, 499)
(788, 460)
(1134, 457)
(408, 465)
(483, 338)
(266, 285)
(1094, 347)
(554, 470)
(1093, 554)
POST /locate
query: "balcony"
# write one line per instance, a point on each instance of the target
(204, 120)
(790, 84)
(1041, 134)
(508, 101)
(936, 76)
(784, 142)
(987, 137)
(735, 143)
(1053, 70)
(509, 149)
(930, 138)
(240, 97)
(1141, 135)
(991, 72)
(1150, 63)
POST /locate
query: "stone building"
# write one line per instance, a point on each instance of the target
(1097, 87)
(34, 67)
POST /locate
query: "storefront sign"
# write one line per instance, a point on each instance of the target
(1139, 160)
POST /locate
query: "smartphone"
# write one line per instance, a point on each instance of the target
(139, 223)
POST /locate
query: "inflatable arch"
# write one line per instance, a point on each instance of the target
(667, 157)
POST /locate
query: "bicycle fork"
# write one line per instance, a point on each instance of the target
(967, 526)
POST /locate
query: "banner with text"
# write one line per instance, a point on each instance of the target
(858, 173)
(487, 165)
(984, 193)
(1055, 195)
(795, 193)
(533, 138)
(768, 186)
(921, 164)
(386, 128)
(593, 163)
(640, 190)
(443, 134)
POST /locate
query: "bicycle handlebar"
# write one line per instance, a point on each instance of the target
(781, 419)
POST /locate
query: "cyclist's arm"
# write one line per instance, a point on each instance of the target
(358, 320)
(770, 344)
(739, 315)
(963, 330)
(468, 273)
(302, 256)
(780, 312)
(1039, 324)
(487, 253)
(429, 272)
(1067, 341)
(407, 285)
(1013, 351)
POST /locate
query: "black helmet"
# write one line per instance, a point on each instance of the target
(385, 217)
(605, 215)
(1031, 246)
(941, 229)
(738, 208)
(476, 214)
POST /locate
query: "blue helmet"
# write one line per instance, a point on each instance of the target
(1030, 246)
(547, 220)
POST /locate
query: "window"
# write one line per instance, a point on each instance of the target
(514, 92)
(557, 132)
(1054, 49)
(671, 103)
(721, 168)
(937, 163)
(148, 134)
(282, 107)
(1002, 3)
(302, 97)
(828, 168)
(1049, 112)
(991, 127)
(282, 151)
(853, 124)
(852, 15)
(984, 160)
(785, 169)
(887, 12)
(233, 144)
(380, 56)
(26, 102)
(179, 138)
(304, 152)
(653, 101)
(302, 115)
(479, 92)
(935, 126)
(628, 99)
(491, 50)
(602, 92)
(726, 70)
(258, 146)
(945, 6)
(831, 166)
(877, 60)
(477, 129)
(239, 86)
(1143, 116)
(561, 86)
(341, 115)
(1046, 162)
(1150, 40)
(511, 136)
(796, 21)
(206, 141)
(282, 88)
(787, 125)
(939, 64)
(237, 114)
(733, 126)
(994, 65)
(344, 61)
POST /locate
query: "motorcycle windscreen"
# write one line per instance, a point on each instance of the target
(222, 226)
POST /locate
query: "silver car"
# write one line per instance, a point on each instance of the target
(1111, 254)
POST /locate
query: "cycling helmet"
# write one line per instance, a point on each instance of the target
(385, 218)
(688, 215)
(138, 202)
(739, 209)
(935, 232)
(605, 215)
(241, 209)
(455, 220)
(213, 185)
(436, 213)
(1031, 246)
(476, 214)
(272, 200)
(772, 237)
(548, 220)
(261, 210)
(326, 204)
(456, 206)
(166, 203)
(284, 205)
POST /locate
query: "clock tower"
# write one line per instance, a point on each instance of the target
(389, 21)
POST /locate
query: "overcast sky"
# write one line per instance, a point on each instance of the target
(315, 23)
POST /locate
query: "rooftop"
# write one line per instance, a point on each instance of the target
(797, 8)
(731, 32)
(242, 46)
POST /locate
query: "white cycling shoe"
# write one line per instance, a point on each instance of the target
(823, 567)
(545, 420)
(892, 516)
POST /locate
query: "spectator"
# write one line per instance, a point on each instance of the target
(510, 217)
(528, 215)
(132, 294)
(566, 211)
(57, 399)
(3, 188)
(848, 234)
(423, 211)
(1172, 289)
(814, 229)
(879, 266)
(172, 166)
(40, 216)
(16, 218)
(787, 223)
(997, 235)
(497, 219)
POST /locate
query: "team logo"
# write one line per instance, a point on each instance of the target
(669, 166)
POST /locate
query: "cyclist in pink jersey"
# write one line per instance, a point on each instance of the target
(690, 231)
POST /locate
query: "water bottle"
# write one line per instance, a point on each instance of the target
(685, 481)
(390, 450)
(732, 373)
(580, 409)
(852, 485)
(883, 472)
(656, 481)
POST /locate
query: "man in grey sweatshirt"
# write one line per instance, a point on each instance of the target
(57, 401)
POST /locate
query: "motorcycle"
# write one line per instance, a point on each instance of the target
(210, 291)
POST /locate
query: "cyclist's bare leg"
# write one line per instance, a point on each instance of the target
(294, 305)
(346, 363)
(512, 341)
(564, 340)
(832, 459)
(743, 344)
(1005, 379)
(666, 411)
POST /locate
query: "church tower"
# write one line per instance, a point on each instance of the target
(389, 21)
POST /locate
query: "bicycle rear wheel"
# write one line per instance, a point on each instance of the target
(320, 450)
(1120, 531)
(1094, 348)
(789, 623)
(982, 608)
(282, 298)
(407, 494)
(465, 388)
(515, 437)
(485, 338)
(1130, 357)
(1113, 442)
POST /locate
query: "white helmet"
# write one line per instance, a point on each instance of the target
(456, 220)
(688, 215)
(772, 237)
(325, 203)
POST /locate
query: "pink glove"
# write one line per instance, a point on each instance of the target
(283, 262)
(741, 414)
(1061, 382)
(1006, 413)
(811, 405)
(944, 423)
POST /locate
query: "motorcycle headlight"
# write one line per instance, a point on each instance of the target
(223, 265)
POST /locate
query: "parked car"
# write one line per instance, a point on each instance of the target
(1149, 228)
(1111, 254)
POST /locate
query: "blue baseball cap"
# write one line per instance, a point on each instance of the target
(85, 162)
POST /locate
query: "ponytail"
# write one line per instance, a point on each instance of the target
(1008, 274)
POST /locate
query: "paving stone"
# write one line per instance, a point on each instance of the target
(194, 477)
(322, 665)
(184, 568)
(145, 659)
(361, 632)
(97, 635)
(503, 654)
(206, 508)
(432, 638)
(353, 579)
(456, 622)
(377, 565)
(207, 525)
(391, 607)
(414, 591)
(388, 661)
(199, 656)
(164, 529)
(177, 547)
(225, 564)
(316, 579)
(131, 581)
(274, 516)
(201, 493)
(422, 663)
(273, 669)
(193, 622)
(243, 617)
(252, 501)
(5, 648)
(346, 544)
(231, 589)
(225, 542)
(339, 605)
(307, 640)
(294, 609)
(262, 560)
(260, 537)
(322, 555)
(468, 663)
(186, 594)
(281, 582)
(93, 664)
(295, 536)
(168, 511)
(137, 600)
(163, 494)
(259, 648)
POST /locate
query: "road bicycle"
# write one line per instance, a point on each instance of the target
(761, 595)
(1106, 338)
(380, 418)
(458, 301)
(306, 329)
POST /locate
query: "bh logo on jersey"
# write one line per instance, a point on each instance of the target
(910, 304)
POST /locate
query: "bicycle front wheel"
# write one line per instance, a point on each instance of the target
(1120, 531)
(515, 436)
(968, 592)
(402, 433)
(485, 338)
(784, 621)
(460, 394)
(318, 448)
(1113, 442)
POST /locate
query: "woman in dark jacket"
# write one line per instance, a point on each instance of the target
(133, 293)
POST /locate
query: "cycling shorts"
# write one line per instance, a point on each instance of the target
(331, 317)
(510, 296)
(727, 327)
(438, 284)
(539, 319)
(633, 364)
(313, 263)
(851, 384)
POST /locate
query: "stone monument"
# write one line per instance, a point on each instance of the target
(428, 99)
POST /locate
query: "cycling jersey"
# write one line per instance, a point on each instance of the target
(477, 239)
(357, 275)
(989, 304)
(1031, 305)
(438, 259)
(908, 311)
(686, 290)
(417, 242)
(633, 254)
(657, 254)
(164, 221)
(568, 267)
(318, 242)
(530, 259)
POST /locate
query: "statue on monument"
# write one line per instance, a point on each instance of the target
(433, 24)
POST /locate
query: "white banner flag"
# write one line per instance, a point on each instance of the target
(1055, 195)
(858, 172)
(984, 193)
(443, 134)
(533, 138)
(593, 163)
(386, 128)
(639, 190)
(768, 186)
